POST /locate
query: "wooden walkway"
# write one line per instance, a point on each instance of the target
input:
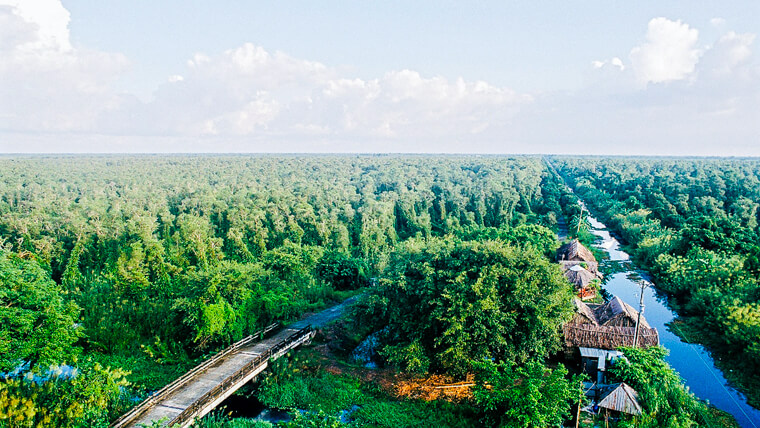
(203, 388)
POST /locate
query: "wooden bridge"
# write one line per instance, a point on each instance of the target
(203, 388)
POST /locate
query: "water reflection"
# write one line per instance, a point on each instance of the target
(693, 363)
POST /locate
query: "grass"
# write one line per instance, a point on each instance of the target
(318, 395)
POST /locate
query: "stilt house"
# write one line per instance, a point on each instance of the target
(619, 398)
(580, 267)
(598, 330)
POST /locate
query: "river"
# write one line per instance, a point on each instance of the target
(691, 361)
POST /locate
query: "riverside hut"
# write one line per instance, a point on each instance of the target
(574, 253)
(607, 337)
(617, 313)
(619, 398)
(580, 268)
(607, 326)
(579, 276)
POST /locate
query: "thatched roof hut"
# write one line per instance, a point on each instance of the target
(620, 398)
(579, 276)
(584, 314)
(617, 312)
(592, 267)
(607, 337)
(613, 313)
(575, 251)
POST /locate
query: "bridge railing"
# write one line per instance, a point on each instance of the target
(180, 381)
(189, 413)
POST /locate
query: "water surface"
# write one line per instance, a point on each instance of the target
(691, 361)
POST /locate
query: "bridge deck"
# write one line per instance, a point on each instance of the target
(199, 388)
(204, 387)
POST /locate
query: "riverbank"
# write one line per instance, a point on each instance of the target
(691, 361)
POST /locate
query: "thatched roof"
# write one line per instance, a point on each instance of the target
(587, 315)
(579, 276)
(607, 337)
(592, 267)
(617, 307)
(574, 250)
(620, 398)
(610, 313)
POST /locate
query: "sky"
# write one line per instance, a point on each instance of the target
(649, 77)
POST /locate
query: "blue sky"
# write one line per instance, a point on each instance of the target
(649, 77)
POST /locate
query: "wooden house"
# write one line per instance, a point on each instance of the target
(579, 276)
(607, 337)
(574, 253)
(617, 313)
(580, 267)
(594, 362)
(583, 313)
(607, 326)
(619, 398)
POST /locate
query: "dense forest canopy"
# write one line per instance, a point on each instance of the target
(147, 262)
(219, 244)
(118, 273)
(694, 223)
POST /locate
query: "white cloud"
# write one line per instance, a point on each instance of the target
(614, 62)
(47, 84)
(669, 53)
(709, 106)
(249, 91)
(717, 22)
(50, 19)
(731, 51)
(246, 91)
(251, 99)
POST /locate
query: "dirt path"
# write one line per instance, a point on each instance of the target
(320, 319)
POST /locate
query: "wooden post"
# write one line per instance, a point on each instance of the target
(580, 220)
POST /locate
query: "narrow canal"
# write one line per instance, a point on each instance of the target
(695, 365)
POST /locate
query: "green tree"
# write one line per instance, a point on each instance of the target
(448, 302)
(36, 324)
(90, 396)
(341, 271)
(530, 396)
(665, 400)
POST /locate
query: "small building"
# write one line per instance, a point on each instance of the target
(583, 314)
(583, 281)
(580, 268)
(574, 253)
(608, 326)
(594, 362)
(607, 337)
(615, 312)
(619, 398)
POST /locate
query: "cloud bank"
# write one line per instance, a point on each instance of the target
(671, 94)
(48, 85)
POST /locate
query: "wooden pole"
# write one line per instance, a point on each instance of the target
(638, 319)
(578, 414)
(580, 219)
